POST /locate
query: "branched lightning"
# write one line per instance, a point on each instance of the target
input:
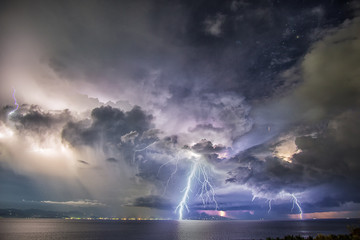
(296, 202)
(17, 105)
(199, 171)
(206, 192)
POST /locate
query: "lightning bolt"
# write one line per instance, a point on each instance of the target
(296, 202)
(283, 195)
(183, 202)
(199, 171)
(269, 206)
(172, 173)
(17, 105)
(206, 192)
(140, 150)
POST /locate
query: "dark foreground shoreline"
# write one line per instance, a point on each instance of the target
(354, 235)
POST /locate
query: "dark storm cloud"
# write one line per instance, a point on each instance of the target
(108, 126)
(152, 201)
(114, 160)
(35, 119)
(207, 147)
(327, 162)
(83, 162)
(31, 118)
(332, 156)
(129, 40)
(209, 127)
(258, 40)
(272, 175)
(120, 135)
(124, 136)
(321, 113)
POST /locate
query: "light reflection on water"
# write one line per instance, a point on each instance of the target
(58, 229)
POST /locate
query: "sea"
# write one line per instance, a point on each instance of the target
(61, 229)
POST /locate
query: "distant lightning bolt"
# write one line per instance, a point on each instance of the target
(142, 149)
(296, 202)
(282, 195)
(269, 206)
(172, 173)
(17, 105)
(183, 202)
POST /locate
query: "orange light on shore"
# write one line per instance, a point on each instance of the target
(222, 213)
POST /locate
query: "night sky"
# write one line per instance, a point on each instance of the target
(122, 104)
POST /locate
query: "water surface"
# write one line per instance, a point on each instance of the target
(61, 229)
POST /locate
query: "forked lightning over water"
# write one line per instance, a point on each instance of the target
(296, 202)
(206, 192)
(183, 203)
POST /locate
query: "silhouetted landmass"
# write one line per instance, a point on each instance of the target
(36, 213)
(204, 216)
(354, 235)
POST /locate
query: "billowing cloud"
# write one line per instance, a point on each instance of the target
(109, 126)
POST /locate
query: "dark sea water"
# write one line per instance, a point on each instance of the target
(59, 229)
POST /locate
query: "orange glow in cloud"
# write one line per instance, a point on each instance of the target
(214, 213)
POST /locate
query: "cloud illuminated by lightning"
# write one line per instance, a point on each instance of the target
(17, 105)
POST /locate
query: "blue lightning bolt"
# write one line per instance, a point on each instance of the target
(206, 191)
(296, 202)
(140, 150)
(199, 171)
(172, 173)
(183, 202)
(269, 206)
(17, 105)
